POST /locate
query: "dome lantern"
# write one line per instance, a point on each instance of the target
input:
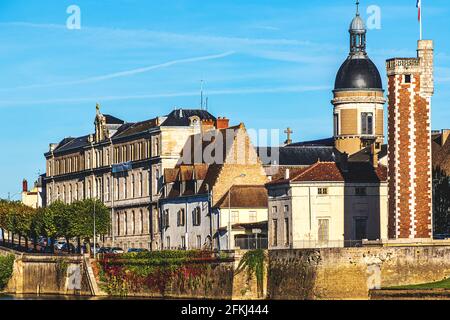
(357, 34)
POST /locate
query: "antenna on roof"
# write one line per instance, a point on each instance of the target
(201, 94)
(206, 104)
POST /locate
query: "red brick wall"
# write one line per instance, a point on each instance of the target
(401, 193)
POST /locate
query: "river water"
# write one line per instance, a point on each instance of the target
(45, 297)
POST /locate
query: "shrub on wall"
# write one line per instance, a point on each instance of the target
(156, 272)
(253, 262)
(6, 270)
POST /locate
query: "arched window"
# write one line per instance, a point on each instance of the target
(107, 189)
(125, 189)
(196, 216)
(132, 186)
(118, 223)
(142, 222)
(156, 147)
(125, 225)
(141, 189)
(89, 190)
(156, 190)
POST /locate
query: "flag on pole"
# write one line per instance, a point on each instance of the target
(419, 6)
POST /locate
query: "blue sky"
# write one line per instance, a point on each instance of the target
(269, 64)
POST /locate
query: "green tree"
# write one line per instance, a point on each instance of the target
(48, 226)
(4, 210)
(24, 216)
(85, 221)
(64, 221)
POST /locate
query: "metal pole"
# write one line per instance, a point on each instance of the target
(229, 218)
(112, 195)
(95, 235)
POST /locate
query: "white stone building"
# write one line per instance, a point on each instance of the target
(327, 205)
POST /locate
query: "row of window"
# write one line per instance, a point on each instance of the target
(367, 124)
(181, 217)
(287, 240)
(198, 243)
(101, 157)
(130, 223)
(124, 188)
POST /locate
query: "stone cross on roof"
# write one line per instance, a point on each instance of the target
(288, 132)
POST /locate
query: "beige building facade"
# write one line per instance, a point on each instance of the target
(122, 164)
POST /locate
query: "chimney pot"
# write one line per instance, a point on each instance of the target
(222, 123)
(25, 185)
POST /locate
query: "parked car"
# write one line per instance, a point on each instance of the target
(46, 249)
(104, 250)
(59, 245)
(65, 246)
(117, 250)
(136, 250)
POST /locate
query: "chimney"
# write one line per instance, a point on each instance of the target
(444, 137)
(222, 123)
(24, 185)
(287, 174)
(374, 155)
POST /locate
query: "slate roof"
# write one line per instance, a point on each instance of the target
(327, 142)
(364, 155)
(128, 129)
(245, 196)
(72, 143)
(112, 120)
(180, 117)
(300, 155)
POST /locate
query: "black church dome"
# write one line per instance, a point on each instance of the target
(358, 73)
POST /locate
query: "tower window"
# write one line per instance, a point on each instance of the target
(407, 78)
(336, 124)
(366, 123)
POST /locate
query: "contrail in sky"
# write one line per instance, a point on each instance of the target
(237, 91)
(127, 72)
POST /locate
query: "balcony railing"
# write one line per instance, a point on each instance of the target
(251, 243)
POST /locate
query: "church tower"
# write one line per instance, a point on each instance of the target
(411, 87)
(358, 96)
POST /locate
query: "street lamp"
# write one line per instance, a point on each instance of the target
(229, 209)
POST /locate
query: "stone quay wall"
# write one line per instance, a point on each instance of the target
(48, 274)
(350, 273)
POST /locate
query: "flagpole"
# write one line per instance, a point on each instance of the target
(421, 30)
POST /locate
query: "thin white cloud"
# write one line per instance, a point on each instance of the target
(274, 90)
(125, 73)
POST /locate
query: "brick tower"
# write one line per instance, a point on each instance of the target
(410, 82)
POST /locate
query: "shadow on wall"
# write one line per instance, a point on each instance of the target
(441, 203)
(292, 274)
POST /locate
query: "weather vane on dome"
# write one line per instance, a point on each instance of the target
(357, 7)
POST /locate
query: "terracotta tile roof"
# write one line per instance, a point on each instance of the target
(358, 172)
(245, 196)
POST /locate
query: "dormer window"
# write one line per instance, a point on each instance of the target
(194, 121)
